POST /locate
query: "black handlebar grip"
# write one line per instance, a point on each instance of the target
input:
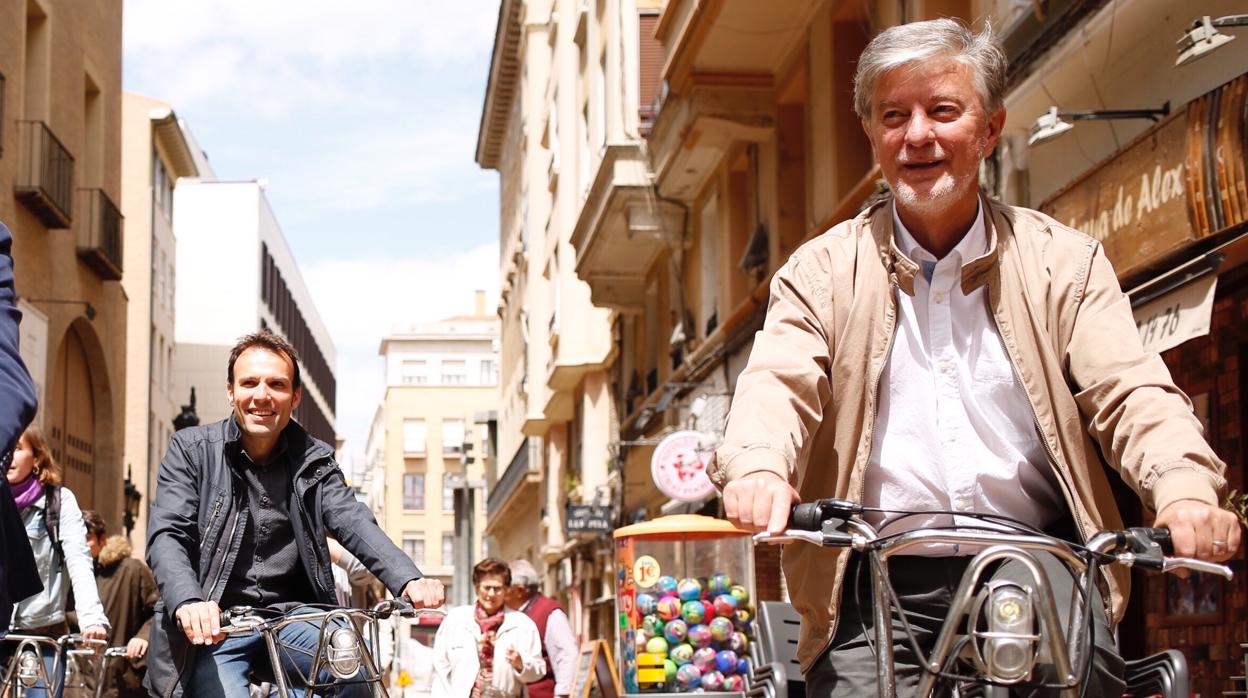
(807, 517)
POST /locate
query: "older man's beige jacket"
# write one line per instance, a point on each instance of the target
(805, 406)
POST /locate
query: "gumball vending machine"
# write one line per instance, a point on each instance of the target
(685, 604)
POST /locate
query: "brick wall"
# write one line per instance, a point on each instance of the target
(1210, 365)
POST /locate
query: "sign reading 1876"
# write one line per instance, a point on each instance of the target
(1178, 316)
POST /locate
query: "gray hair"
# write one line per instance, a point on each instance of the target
(910, 44)
(523, 575)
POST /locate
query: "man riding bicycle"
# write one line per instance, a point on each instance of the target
(944, 352)
(240, 517)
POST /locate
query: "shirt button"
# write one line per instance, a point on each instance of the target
(939, 298)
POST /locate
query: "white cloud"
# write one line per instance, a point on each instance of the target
(274, 56)
(362, 299)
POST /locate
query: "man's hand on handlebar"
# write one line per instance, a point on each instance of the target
(95, 632)
(1200, 530)
(425, 593)
(760, 501)
(201, 621)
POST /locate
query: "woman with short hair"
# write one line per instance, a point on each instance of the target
(484, 649)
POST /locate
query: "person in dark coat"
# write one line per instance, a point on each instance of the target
(129, 594)
(242, 511)
(19, 578)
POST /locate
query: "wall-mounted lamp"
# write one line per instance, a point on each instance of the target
(1053, 123)
(89, 310)
(1204, 37)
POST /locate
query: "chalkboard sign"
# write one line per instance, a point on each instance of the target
(595, 672)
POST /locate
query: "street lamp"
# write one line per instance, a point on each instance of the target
(133, 498)
(1053, 123)
(1204, 37)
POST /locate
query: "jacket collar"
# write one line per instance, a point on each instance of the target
(902, 269)
(301, 448)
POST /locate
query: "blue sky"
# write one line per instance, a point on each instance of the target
(363, 119)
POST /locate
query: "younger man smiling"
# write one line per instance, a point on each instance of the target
(241, 514)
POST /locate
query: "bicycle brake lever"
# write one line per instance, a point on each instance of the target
(1191, 563)
(828, 539)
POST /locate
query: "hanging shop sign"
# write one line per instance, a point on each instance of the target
(587, 518)
(678, 466)
(1182, 314)
(1180, 181)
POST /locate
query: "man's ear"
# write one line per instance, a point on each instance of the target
(229, 393)
(995, 123)
(297, 397)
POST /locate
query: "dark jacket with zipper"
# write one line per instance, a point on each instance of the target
(197, 521)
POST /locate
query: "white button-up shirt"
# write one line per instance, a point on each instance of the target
(954, 430)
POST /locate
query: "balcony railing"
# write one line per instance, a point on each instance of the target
(45, 177)
(511, 479)
(99, 233)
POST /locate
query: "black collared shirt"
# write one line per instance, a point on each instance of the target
(268, 570)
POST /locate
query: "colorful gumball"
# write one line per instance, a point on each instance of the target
(688, 676)
(712, 681)
(641, 639)
(666, 585)
(693, 612)
(721, 629)
(738, 643)
(668, 608)
(652, 625)
(719, 583)
(675, 631)
(740, 593)
(726, 662)
(734, 683)
(699, 636)
(704, 659)
(681, 654)
(743, 666)
(669, 670)
(646, 603)
(742, 619)
(689, 589)
(725, 605)
(708, 608)
(657, 645)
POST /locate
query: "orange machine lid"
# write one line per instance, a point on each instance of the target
(685, 526)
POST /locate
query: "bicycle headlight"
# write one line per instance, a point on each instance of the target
(1010, 644)
(28, 669)
(343, 653)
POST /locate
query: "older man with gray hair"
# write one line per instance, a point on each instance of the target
(558, 642)
(946, 353)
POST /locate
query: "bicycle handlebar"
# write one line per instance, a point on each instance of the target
(818, 523)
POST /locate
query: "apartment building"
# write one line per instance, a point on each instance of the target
(428, 451)
(60, 157)
(562, 93)
(235, 275)
(157, 150)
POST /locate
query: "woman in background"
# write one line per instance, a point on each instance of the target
(58, 538)
(485, 650)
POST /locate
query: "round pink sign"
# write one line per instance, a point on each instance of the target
(678, 466)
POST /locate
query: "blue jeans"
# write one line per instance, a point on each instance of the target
(224, 670)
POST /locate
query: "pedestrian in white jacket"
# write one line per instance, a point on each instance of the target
(485, 650)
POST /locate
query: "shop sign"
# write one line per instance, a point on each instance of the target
(1181, 180)
(1180, 315)
(678, 466)
(1135, 204)
(588, 518)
